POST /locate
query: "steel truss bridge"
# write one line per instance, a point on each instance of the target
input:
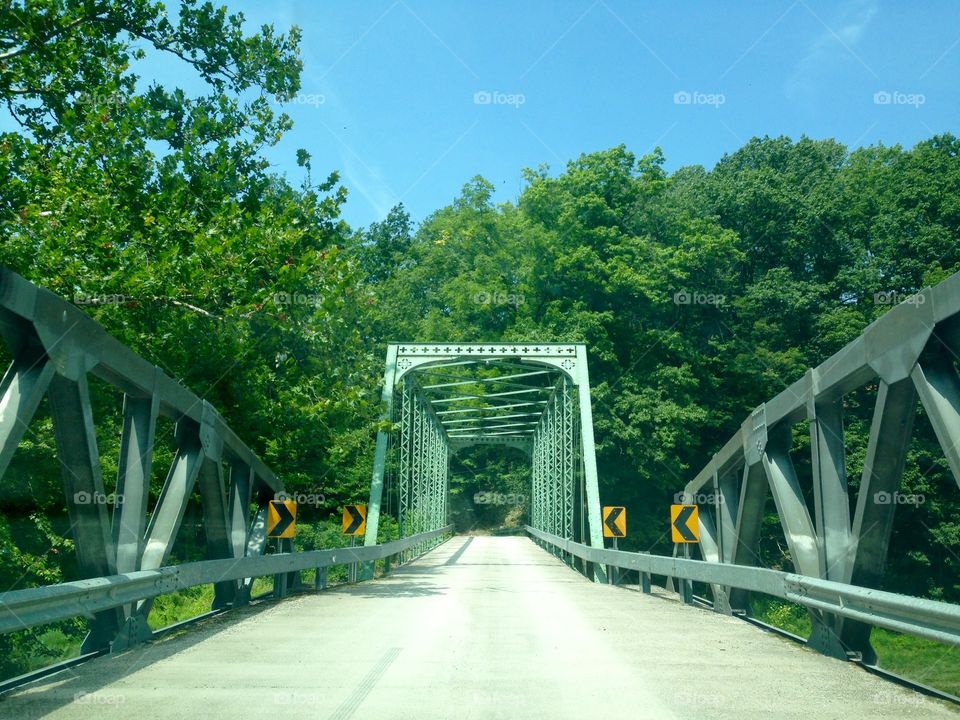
(443, 397)
(434, 588)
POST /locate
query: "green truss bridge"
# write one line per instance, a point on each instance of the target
(433, 624)
(443, 397)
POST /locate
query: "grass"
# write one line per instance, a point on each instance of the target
(923, 661)
(185, 604)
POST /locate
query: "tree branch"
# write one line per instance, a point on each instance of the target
(32, 43)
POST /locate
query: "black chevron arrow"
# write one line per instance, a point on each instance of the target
(356, 522)
(681, 523)
(286, 517)
(611, 521)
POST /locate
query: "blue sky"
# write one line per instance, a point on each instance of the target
(409, 99)
(390, 88)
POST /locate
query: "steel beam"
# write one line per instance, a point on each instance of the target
(830, 496)
(890, 432)
(380, 459)
(753, 501)
(589, 455)
(179, 484)
(86, 500)
(133, 478)
(21, 390)
(938, 385)
(794, 516)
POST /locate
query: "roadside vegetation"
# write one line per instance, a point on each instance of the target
(699, 292)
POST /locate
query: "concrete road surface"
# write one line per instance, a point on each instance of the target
(481, 627)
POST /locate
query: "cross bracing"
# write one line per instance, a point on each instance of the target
(442, 398)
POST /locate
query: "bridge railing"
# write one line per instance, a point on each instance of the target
(124, 558)
(924, 618)
(904, 360)
(37, 606)
(56, 349)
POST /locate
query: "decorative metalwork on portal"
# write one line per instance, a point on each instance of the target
(531, 396)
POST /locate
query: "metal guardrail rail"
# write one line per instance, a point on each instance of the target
(36, 606)
(928, 619)
(123, 553)
(836, 529)
(56, 348)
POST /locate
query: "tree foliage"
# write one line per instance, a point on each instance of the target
(699, 293)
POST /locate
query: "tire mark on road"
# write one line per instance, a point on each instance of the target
(349, 706)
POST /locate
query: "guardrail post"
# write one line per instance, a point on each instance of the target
(283, 582)
(352, 567)
(320, 581)
(686, 586)
(644, 577)
(614, 571)
(823, 638)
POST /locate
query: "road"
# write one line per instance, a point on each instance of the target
(480, 627)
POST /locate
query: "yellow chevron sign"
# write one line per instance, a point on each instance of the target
(685, 523)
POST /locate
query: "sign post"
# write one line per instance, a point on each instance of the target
(354, 523)
(685, 530)
(614, 526)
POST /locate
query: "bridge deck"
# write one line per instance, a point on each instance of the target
(479, 628)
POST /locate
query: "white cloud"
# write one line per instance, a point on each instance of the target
(369, 182)
(836, 43)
